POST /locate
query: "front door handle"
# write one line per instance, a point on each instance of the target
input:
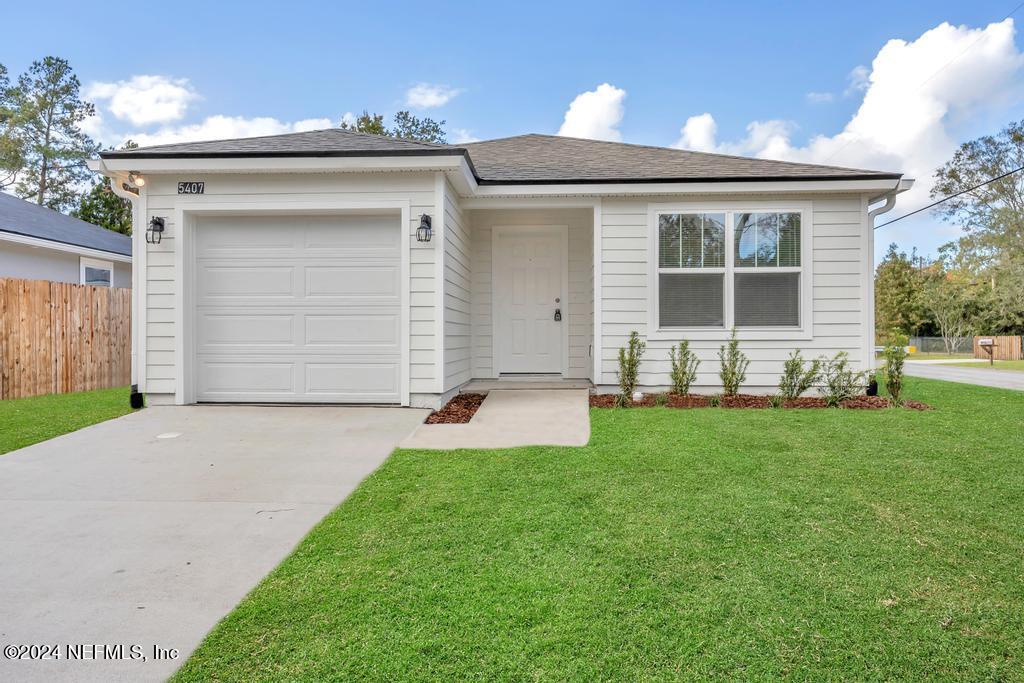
(558, 315)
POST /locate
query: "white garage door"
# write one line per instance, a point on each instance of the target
(297, 309)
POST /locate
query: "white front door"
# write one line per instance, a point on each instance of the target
(529, 298)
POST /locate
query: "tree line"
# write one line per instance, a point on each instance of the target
(43, 149)
(976, 284)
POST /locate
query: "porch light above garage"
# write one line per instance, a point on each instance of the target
(424, 232)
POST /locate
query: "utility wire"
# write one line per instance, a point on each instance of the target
(957, 194)
(934, 74)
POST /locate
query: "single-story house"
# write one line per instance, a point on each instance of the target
(37, 243)
(334, 266)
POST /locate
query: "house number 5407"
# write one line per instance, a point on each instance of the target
(191, 187)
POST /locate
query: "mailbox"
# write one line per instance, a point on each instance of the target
(988, 343)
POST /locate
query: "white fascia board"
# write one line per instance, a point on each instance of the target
(633, 189)
(62, 246)
(285, 164)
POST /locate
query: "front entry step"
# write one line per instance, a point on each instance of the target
(483, 386)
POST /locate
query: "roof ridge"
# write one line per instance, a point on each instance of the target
(717, 155)
(338, 129)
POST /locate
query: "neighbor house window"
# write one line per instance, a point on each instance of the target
(96, 273)
(729, 268)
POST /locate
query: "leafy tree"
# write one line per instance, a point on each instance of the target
(992, 216)
(410, 127)
(46, 113)
(949, 303)
(11, 146)
(100, 206)
(407, 127)
(899, 290)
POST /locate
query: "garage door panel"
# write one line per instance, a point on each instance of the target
(353, 330)
(244, 331)
(244, 281)
(226, 378)
(376, 379)
(380, 282)
(310, 316)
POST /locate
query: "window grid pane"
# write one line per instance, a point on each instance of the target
(767, 240)
(669, 246)
(691, 240)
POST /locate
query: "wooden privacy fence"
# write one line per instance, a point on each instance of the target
(1003, 348)
(57, 338)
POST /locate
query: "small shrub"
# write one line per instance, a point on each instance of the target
(895, 354)
(715, 400)
(622, 401)
(661, 400)
(840, 381)
(796, 377)
(776, 400)
(734, 366)
(684, 368)
(629, 366)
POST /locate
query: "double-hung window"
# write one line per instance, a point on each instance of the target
(721, 268)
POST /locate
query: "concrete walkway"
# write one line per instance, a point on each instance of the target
(146, 530)
(1001, 379)
(506, 419)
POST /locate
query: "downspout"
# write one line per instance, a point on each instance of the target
(118, 185)
(902, 185)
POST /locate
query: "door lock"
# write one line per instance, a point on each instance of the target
(558, 315)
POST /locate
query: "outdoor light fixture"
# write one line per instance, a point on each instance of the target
(135, 179)
(424, 232)
(155, 230)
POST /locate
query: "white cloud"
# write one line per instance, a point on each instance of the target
(820, 97)
(857, 80)
(427, 96)
(595, 114)
(348, 118)
(462, 136)
(915, 101)
(224, 127)
(698, 133)
(144, 100)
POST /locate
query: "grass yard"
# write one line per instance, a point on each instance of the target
(814, 544)
(25, 421)
(1016, 365)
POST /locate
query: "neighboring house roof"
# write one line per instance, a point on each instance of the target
(20, 217)
(523, 159)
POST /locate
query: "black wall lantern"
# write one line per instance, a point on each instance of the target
(155, 231)
(424, 232)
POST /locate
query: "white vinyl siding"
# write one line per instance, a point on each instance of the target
(457, 297)
(578, 314)
(839, 302)
(161, 199)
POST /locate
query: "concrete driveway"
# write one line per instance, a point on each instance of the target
(987, 377)
(142, 532)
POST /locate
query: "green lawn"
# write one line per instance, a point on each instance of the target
(25, 421)
(839, 544)
(1016, 365)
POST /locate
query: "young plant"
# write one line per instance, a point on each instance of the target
(776, 400)
(629, 366)
(684, 368)
(661, 400)
(715, 400)
(895, 354)
(797, 377)
(734, 366)
(840, 381)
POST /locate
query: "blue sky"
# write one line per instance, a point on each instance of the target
(516, 68)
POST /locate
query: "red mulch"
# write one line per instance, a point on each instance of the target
(805, 402)
(916, 405)
(689, 401)
(865, 403)
(459, 410)
(746, 401)
(602, 400)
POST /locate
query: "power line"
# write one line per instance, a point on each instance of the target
(957, 194)
(934, 74)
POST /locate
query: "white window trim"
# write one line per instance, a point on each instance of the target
(85, 262)
(806, 270)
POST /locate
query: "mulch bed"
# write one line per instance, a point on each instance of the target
(753, 401)
(459, 410)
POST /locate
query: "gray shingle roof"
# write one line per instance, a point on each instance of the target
(523, 159)
(26, 218)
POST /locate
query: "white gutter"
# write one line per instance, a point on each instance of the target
(890, 199)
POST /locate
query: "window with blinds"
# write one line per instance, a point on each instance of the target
(764, 269)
